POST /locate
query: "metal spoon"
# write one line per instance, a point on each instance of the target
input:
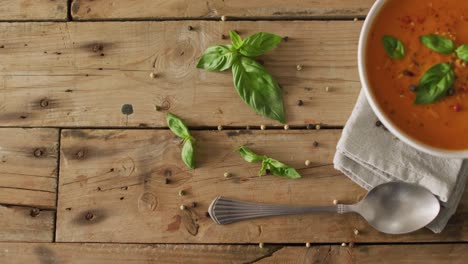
(392, 208)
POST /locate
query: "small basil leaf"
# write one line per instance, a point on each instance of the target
(438, 43)
(264, 167)
(394, 47)
(462, 52)
(260, 43)
(435, 83)
(216, 58)
(188, 154)
(177, 126)
(249, 155)
(258, 89)
(235, 39)
(282, 170)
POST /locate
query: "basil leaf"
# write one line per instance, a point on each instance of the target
(258, 89)
(260, 43)
(235, 39)
(177, 126)
(188, 153)
(435, 83)
(249, 155)
(438, 43)
(394, 47)
(277, 168)
(462, 52)
(217, 58)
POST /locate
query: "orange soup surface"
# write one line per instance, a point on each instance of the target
(444, 123)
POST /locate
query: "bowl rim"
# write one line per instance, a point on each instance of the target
(369, 21)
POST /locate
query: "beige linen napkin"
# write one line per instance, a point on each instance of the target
(370, 155)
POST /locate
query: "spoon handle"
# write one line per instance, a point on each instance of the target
(225, 211)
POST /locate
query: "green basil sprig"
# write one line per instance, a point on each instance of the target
(435, 83)
(177, 126)
(462, 52)
(394, 47)
(277, 168)
(438, 43)
(253, 83)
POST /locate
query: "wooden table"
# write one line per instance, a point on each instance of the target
(82, 182)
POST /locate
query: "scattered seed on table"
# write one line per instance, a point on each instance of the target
(152, 75)
(378, 123)
(356, 232)
(261, 245)
(227, 175)
(343, 244)
(299, 67)
(307, 162)
(220, 127)
(286, 127)
(181, 193)
(182, 207)
(190, 28)
(317, 127)
(223, 18)
(356, 19)
(262, 127)
(315, 144)
(307, 245)
(335, 202)
(327, 89)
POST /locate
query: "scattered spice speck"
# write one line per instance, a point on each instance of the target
(307, 245)
(307, 163)
(181, 193)
(227, 175)
(315, 144)
(262, 127)
(335, 202)
(327, 89)
(152, 75)
(220, 127)
(261, 245)
(356, 232)
(343, 244)
(286, 127)
(223, 18)
(299, 67)
(356, 19)
(182, 207)
(317, 127)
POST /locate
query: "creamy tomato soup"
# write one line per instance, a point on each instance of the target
(395, 81)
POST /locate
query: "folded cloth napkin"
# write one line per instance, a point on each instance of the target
(370, 155)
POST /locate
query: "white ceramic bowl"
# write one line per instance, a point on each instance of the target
(373, 102)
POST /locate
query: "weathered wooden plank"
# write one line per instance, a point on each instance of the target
(26, 224)
(80, 74)
(157, 253)
(112, 189)
(436, 253)
(28, 169)
(129, 253)
(33, 10)
(160, 9)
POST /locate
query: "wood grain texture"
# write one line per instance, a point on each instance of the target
(112, 189)
(150, 253)
(26, 224)
(414, 254)
(28, 168)
(196, 9)
(81, 74)
(33, 10)
(41, 253)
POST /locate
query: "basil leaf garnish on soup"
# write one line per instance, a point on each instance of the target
(438, 43)
(462, 52)
(435, 83)
(394, 47)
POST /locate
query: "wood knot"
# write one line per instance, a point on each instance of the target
(44, 103)
(127, 109)
(38, 152)
(147, 202)
(34, 212)
(89, 216)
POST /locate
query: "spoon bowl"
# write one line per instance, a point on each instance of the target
(398, 207)
(392, 208)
